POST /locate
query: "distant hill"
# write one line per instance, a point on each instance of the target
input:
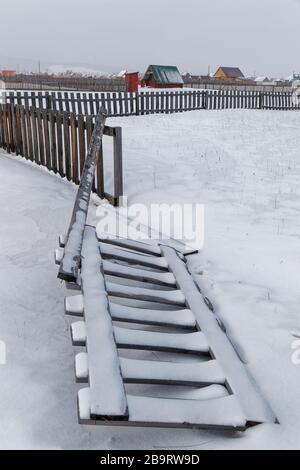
(22, 65)
(88, 71)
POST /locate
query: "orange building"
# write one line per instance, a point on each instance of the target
(8, 73)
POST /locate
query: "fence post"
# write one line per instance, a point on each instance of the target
(137, 103)
(48, 102)
(118, 165)
(3, 96)
(205, 99)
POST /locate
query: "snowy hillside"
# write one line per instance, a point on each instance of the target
(78, 69)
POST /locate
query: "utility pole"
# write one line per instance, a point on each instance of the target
(39, 67)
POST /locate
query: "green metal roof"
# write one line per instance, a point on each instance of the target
(164, 74)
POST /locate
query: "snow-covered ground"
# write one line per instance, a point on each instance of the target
(245, 167)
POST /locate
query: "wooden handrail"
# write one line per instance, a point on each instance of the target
(72, 255)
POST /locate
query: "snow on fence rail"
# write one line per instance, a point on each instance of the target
(128, 104)
(59, 141)
(72, 256)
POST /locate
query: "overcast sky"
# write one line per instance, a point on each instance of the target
(256, 35)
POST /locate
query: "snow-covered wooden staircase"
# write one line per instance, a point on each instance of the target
(155, 354)
(227, 397)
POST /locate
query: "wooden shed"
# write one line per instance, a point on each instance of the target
(162, 76)
(132, 80)
(229, 73)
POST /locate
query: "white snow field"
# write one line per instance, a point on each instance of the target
(245, 167)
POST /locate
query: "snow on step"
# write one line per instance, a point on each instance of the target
(84, 404)
(107, 389)
(133, 258)
(133, 245)
(221, 412)
(74, 305)
(203, 373)
(224, 413)
(58, 255)
(79, 333)
(81, 367)
(253, 404)
(173, 297)
(62, 240)
(163, 373)
(148, 340)
(130, 272)
(181, 318)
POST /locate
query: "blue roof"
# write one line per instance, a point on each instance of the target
(164, 74)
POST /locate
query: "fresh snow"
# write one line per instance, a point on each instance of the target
(107, 390)
(188, 342)
(245, 167)
(78, 332)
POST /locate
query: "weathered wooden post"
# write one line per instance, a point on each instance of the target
(137, 104)
(118, 165)
(48, 101)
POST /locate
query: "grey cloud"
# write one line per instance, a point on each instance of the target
(257, 35)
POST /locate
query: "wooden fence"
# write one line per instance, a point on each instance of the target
(49, 82)
(59, 141)
(128, 104)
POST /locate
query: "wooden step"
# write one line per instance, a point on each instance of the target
(58, 256)
(111, 252)
(78, 333)
(172, 297)
(163, 373)
(168, 342)
(178, 318)
(186, 343)
(169, 373)
(143, 275)
(74, 305)
(141, 247)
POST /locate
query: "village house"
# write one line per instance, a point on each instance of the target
(162, 76)
(8, 73)
(229, 73)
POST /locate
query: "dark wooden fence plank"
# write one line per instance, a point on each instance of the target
(81, 143)
(47, 139)
(41, 160)
(74, 149)
(29, 134)
(60, 151)
(53, 141)
(24, 133)
(67, 152)
(34, 135)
